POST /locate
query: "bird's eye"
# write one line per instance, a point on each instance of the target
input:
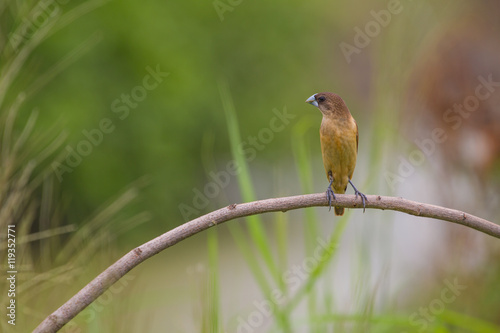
(321, 98)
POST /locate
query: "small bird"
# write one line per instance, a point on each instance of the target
(339, 144)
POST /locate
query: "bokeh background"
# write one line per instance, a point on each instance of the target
(99, 155)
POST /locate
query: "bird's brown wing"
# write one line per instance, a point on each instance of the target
(357, 136)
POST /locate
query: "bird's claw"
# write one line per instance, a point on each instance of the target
(329, 192)
(363, 197)
(329, 195)
(356, 192)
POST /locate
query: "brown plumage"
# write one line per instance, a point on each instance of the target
(339, 143)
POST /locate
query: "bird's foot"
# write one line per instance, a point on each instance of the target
(329, 196)
(329, 192)
(356, 192)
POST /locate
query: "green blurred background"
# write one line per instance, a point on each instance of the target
(232, 66)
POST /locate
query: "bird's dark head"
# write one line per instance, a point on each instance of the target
(328, 103)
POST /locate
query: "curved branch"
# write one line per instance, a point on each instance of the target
(114, 272)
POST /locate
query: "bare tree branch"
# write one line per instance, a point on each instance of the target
(113, 273)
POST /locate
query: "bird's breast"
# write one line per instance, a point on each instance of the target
(338, 147)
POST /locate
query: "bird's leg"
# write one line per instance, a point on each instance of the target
(356, 192)
(329, 191)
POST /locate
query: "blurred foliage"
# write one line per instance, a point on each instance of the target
(65, 67)
(162, 136)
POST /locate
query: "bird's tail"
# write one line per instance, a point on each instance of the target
(339, 211)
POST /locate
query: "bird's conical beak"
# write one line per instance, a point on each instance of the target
(312, 100)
